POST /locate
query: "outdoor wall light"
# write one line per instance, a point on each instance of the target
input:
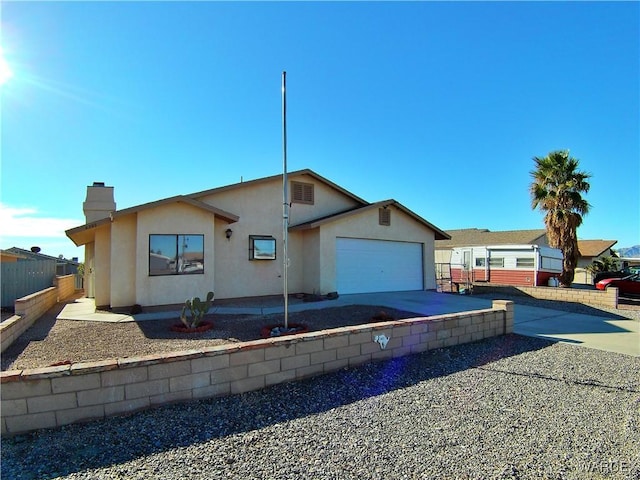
(228, 233)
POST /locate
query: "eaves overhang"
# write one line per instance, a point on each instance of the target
(439, 234)
(85, 233)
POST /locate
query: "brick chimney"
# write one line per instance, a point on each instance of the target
(99, 202)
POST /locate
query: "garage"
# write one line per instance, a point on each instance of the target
(365, 266)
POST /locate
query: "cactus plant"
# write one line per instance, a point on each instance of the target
(197, 308)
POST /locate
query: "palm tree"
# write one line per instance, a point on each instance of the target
(557, 189)
(603, 264)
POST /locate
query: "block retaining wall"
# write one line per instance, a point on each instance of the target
(55, 396)
(28, 309)
(607, 298)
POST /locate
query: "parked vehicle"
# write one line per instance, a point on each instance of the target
(629, 285)
(618, 274)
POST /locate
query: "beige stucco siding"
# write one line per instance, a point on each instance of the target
(236, 275)
(260, 212)
(102, 262)
(123, 261)
(310, 255)
(178, 219)
(403, 228)
(327, 201)
(263, 202)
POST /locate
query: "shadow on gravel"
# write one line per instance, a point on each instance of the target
(36, 333)
(247, 327)
(52, 453)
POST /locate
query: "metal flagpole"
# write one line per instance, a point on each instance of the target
(285, 202)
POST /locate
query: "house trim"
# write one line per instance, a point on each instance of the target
(79, 234)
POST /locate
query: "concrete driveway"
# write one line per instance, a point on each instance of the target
(595, 329)
(600, 330)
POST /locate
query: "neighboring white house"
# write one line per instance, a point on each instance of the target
(526, 265)
(513, 257)
(229, 240)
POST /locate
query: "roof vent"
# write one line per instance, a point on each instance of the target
(98, 184)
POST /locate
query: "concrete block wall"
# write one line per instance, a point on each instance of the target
(55, 396)
(66, 285)
(607, 298)
(28, 309)
(11, 329)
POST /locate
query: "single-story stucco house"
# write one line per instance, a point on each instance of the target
(229, 240)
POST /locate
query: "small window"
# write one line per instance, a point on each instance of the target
(262, 247)
(481, 262)
(176, 254)
(525, 262)
(302, 193)
(496, 262)
(384, 216)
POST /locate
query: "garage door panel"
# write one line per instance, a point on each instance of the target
(378, 266)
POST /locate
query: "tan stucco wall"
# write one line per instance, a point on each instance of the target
(176, 219)
(123, 267)
(403, 228)
(236, 275)
(268, 196)
(260, 212)
(123, 261)
(102, 262)
(328, 201)
(310, 255)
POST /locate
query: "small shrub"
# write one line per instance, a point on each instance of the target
(198, 310)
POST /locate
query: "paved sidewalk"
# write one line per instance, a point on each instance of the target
(603, 331)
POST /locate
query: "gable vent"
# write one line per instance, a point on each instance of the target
(302, 192)
(384, 216)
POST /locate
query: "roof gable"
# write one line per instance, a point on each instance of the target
(439, 234)
(595, 248)
(79, 237)
(290, 176)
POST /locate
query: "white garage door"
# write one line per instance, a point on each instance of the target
(364, 266)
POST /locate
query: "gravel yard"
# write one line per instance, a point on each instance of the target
(51, 341)
(509, 407)
(506, 407)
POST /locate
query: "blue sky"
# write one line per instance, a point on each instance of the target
(439, 105)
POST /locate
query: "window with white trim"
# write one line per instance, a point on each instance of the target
(496, 262)
(525, 262)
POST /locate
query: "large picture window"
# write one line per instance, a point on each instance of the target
(176, 254)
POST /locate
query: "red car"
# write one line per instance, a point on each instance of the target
(629, 285)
